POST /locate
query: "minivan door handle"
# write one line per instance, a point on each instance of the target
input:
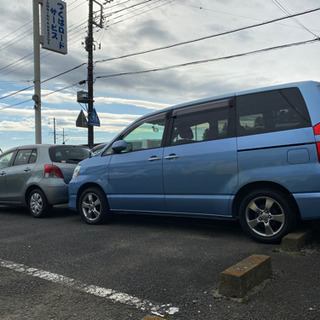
(171, 156)
(154, 158)
(27, 169)
(2, 173)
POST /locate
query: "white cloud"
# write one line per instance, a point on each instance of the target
(21, 126)
(134, 31)
(137, 103)
(110, 122)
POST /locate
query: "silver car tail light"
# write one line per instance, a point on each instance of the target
(51, 171)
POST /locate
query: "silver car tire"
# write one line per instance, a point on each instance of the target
(93, 206)
(267, 215)
(37, 203)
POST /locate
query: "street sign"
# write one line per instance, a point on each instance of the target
(94, 119)
(54, 21)
(82, 120)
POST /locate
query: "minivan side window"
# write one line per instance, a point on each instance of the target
(270, 111)
(208, 121)
(146, 135)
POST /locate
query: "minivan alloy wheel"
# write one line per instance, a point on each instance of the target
(93, 206)
(267, 215)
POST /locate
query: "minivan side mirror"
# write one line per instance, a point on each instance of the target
(119, 146)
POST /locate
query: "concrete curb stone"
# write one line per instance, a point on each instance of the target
(239, 279)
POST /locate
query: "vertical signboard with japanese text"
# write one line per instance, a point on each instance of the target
(54, 25)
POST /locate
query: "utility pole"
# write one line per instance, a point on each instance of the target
(54, 131)
(89, 48)
(63, 137)
(37, 84)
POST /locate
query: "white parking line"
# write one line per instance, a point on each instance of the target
(109, 294)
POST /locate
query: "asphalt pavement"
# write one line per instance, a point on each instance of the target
(62, 268)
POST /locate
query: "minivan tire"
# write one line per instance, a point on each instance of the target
(93, 206)
(38, 204)
(267, 215)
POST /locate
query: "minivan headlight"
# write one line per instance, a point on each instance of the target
(76, 171)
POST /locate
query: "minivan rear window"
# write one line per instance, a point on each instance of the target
(68, 154)
(270, 111)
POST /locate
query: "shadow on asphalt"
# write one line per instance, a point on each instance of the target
(155, 221)
(59, 211)
(62, 211)
(181, 223)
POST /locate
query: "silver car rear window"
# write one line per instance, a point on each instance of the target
(68, 154)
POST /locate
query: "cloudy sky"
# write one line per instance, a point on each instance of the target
(236, 61)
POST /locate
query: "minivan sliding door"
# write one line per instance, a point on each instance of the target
(200, 164)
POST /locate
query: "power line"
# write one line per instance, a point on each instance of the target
(14, 40)
(64, 72)
(14, 81)
(14, 31)
(11, 67)
(56, 76)
(16, 92)
(44, 95)
(15, 62)
(187, 42)
(211, 60)
(74, 36)
(118, 4)
(175, 66)
(126, 8)
(61, 89)
(14, 65)
(131, 9)
(284, 9)
(139, 13)
(16, 104)
(208, 37)
(30, 21)
(215, 10)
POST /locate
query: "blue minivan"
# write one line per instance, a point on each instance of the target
(252, 156)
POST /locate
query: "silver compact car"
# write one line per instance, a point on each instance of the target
(37, 176)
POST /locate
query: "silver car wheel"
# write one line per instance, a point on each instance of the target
(36, 203)
(91, 207)
(265, 216)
